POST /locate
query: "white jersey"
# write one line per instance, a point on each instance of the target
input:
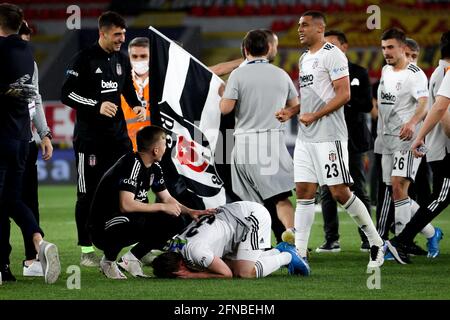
(217, 235)
(317, 71)
(398, 93)
(437, 142)
(444, 89)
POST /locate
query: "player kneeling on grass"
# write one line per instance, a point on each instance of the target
(121, 215)
(230, 243)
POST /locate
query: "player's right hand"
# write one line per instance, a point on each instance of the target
(172, 209)
(108, 109)
(417, 148)
(282, 115)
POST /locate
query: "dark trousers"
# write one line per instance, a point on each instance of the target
(277, 227)
(329, 205)
(439, 200)
(418, 190)
(30, 195)
(12, 166)
(148, 230)
(92, 163)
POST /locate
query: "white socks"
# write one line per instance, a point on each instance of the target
(402, 214)
(304, 218)
(358, 211)
(269, 263)
(428, 230)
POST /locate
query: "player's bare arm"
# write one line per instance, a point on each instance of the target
(225, 68)
(170, 202)
(291, 109)
(227, 105)
(128, 205)
(407, 131)
(436, 114)
(342, 90)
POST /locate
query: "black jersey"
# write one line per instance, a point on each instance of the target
(128, 174)
(16, 66)
(93, 77)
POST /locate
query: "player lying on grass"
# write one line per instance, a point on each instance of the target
(230, 243)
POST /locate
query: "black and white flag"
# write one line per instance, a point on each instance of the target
(184, 100)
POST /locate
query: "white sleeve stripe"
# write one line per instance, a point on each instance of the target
(133, 171)
(138, 167)
(80, 101)
(83, 98)
(76, 96)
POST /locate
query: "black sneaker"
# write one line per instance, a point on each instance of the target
(414, 250)
(365, 246)
(329, 246)
(6, 273)
(399, 251)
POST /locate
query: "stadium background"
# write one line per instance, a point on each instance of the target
(212, 31)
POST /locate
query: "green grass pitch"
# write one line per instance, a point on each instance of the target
(334, 276)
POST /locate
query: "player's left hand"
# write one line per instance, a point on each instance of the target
(140, 112)
(46, 148)
(407, 131)
(183, 273)
(195, 214)
(307, 118)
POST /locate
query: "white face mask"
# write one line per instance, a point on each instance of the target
(140, 67)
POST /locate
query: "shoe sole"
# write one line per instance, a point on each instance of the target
(318, 250)
(89, 264)
(53, 265)
(395, 254)
(134, 275)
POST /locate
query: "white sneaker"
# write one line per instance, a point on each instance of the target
(377, 256)
(111, 270)
(132, 265)
(33, 270)
(89, 260)
(49, 258)
(149, 257)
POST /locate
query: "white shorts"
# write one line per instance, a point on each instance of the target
(258, 238)
(325, 163)
(399, 164)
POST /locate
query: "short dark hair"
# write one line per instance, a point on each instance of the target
(166, 264)
(270, 35)
(394, 33)
(139, 42)
(110, 18)
(445, 45)
(338, 34)
(147, 136)
(11, 17)
(256, 43)
(24, 29)
(315, 15)
(412, 44)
